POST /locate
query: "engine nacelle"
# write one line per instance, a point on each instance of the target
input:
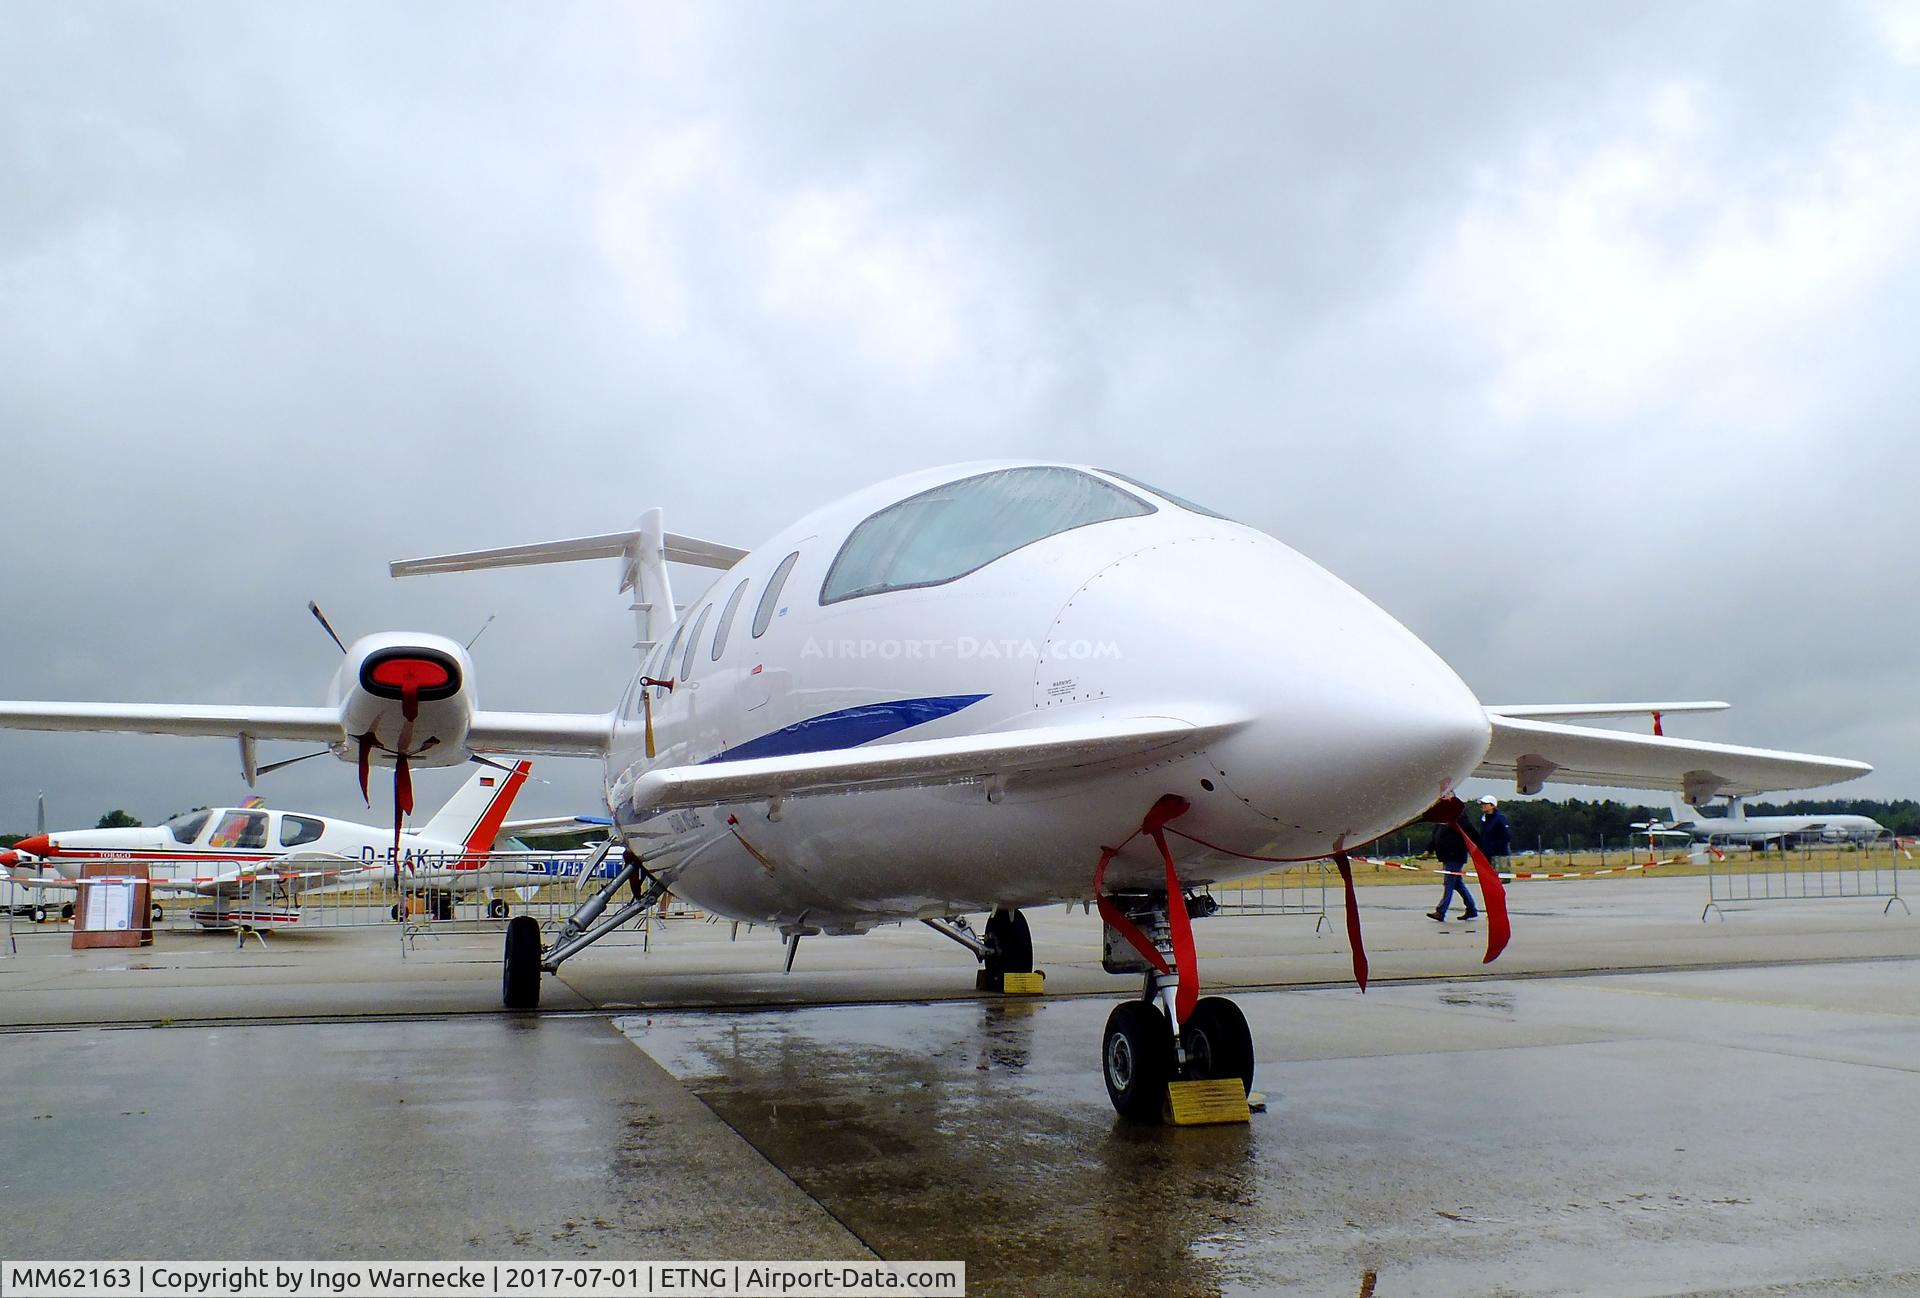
(412, 693)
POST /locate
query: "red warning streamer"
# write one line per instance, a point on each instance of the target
(1180, 924)
(1354, 942)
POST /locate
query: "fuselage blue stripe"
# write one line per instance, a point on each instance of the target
(849, 727)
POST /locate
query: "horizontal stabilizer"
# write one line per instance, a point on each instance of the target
(612, 545)
(1598, 711)
(1049, 749)
(554, 826)
(1532, 753)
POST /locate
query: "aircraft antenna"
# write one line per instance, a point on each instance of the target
(40, 820)
(321, 618)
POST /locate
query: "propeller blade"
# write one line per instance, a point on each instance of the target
(483, 629)
(314, 609)
(402, 807)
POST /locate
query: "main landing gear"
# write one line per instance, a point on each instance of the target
(1146, 1046)
(525, 958)
(1005, 948)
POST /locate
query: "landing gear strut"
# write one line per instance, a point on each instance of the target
(1009, 946)
(1146, 1047)
(525, 960)
(1006, 946)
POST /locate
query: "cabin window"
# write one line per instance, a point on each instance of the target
(187, 826)
(656, 664)
(1168, 496)
(240, 829)
(295, 830)
(942, 535)
(673, 647)
(693, 642)
(726, 620)
(770, 597)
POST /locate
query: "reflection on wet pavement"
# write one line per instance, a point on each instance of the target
(1543, 1137)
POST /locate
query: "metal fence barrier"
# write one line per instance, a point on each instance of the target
(1294, 890)
(1809, 872)
(426, 902)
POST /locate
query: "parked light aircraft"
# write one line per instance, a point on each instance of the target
(234, 856)
(1735, 827)
(979, 689)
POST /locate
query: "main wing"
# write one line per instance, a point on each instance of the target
(315, 725)
(1012, 753)
(535, 734)
(1532, 753)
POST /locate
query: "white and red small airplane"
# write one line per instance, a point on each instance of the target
(253, 863)
(977, 689)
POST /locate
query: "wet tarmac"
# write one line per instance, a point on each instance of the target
(1636, 1135)
(1639, 1104)
(474, 1138)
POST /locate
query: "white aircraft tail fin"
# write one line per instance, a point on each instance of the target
(474, 814)
(645, 553)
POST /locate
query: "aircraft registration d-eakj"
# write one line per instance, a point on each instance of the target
(980, 689)
(252, 864)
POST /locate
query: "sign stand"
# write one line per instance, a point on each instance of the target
(115, 906)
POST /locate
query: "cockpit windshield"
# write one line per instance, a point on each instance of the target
(186, 826)
(943, 534)
(1168, 496)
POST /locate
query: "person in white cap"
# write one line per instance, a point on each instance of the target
(1494, 833)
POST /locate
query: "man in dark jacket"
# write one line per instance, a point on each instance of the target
(1450, 846)
(1494, 833)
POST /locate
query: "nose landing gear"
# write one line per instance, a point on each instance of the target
(1171, 1035)
(1148, 1049)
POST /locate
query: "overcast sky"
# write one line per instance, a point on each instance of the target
(1582, 338)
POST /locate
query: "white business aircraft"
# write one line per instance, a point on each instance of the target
(234, 855)
(978, 689)
(1734, 827)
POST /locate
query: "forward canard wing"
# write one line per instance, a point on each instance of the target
(1532, 753)
(1049, 750)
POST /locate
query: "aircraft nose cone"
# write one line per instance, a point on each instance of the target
(35, 845)
(1353, 725)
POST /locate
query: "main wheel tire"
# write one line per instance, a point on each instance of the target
(157, 914)
(1136, 1058)
(497, 908)
(1009, 943)
(1217, 1041)
(520, 971)
(38, 915)
(66, 910)
(393, 911)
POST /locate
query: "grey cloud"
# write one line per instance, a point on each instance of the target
(290, 291)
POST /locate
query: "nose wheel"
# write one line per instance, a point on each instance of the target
(1140, 1054)
(1137, 1058)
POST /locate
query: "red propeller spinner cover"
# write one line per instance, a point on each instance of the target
(421, 672)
